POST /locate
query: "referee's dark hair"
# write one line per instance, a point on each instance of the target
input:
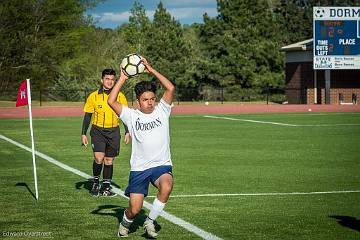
(108, 71)
(145, 86)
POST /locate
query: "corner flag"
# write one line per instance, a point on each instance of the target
(24, 98)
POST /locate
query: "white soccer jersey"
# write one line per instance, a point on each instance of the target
(150, 136)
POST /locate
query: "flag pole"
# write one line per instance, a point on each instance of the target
(32, 138)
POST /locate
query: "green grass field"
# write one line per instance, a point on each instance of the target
(241, 154)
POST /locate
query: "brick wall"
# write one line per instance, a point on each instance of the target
(300, 84)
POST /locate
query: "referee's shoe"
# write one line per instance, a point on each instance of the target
(106, 192)
(95, 189)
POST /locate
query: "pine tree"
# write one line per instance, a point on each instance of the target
(242, 45)
(167, 50)
(135, 32)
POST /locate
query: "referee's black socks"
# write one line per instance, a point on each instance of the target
(107, 176)
(97, 171)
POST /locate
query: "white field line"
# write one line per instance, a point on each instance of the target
(253, 121)
(285, 124)
(259, 194)
(178, 221)
(328, 125)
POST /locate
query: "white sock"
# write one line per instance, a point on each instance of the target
(156, 209)
(125, 221)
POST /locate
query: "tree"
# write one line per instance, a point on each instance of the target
(166, 47)
(295, 17)
(36, 43)
(135, 31)
(242, 45)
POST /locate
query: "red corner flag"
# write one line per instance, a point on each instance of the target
(22, 97)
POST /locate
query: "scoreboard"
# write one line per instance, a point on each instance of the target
(336, 37)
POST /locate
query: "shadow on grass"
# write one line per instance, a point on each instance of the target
(22, 184)
(88, 184)
(349, 222)
(118, 212)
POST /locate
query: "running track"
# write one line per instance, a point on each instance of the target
(22, 112)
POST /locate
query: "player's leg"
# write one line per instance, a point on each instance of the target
(135, 205)
(162, 179)
(107, 177)
(164, 183)
(111, 151)
(98, 145)
(97, 168)
(136, 190)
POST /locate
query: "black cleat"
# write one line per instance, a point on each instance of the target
(95, 190)
(108, 193)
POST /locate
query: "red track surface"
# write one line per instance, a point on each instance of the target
(22, 112)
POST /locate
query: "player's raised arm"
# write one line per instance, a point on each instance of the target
(115, 105)
(166, 83)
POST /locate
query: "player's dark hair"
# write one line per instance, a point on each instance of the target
(145, 86)
(108, 71)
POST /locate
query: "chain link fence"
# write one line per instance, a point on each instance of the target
(200, 94)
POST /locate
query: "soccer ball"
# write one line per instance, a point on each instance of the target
(319, 12)
(132, 65)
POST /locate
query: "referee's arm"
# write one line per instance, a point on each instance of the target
(85, 126)
(126, 128)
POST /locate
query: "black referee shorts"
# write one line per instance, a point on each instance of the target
(106, 140)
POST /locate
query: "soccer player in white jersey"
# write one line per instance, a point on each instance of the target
(150, 156)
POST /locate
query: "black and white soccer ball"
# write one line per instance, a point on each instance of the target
(319, 12)
(132, 65)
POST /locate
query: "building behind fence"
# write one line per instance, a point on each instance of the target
(306, 85)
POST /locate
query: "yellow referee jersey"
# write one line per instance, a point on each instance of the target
(102, 114)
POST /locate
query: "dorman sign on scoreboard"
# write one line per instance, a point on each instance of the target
(336, 37)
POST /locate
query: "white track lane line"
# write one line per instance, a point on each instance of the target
(178, 221)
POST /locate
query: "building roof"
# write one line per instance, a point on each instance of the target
(306, 45)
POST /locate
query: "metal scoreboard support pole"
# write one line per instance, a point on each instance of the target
(315, 87)
(336, 38)
(327, 86)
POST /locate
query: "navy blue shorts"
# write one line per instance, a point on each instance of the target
(139, 180)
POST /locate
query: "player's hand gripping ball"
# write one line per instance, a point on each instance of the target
(132, 65)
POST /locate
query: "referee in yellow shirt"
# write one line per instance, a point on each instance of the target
(105, 133)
